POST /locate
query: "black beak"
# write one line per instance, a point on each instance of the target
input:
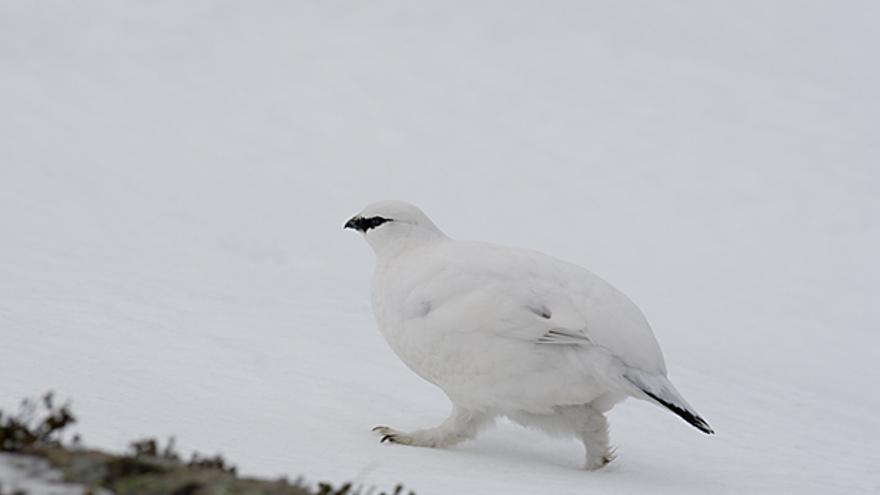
(353, 223)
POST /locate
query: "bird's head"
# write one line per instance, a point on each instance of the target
(394, 225)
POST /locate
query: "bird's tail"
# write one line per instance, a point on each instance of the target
(658, 389)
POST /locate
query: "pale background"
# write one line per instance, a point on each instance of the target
(174, 177)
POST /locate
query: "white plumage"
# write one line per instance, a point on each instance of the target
(509, 332)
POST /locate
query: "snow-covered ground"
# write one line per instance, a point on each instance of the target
(34, 476)
(174, 177)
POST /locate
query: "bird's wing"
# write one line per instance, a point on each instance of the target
(525, 295)
(561, 336)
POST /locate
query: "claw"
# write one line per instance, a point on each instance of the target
(388, 434)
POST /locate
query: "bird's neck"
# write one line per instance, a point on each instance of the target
(387, 247)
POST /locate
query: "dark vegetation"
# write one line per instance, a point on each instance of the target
(147, 469)
(29, 428)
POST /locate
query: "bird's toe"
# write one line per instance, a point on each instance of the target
(387, 434)
(599, 462)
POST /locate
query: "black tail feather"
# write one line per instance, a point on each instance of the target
(696, 421)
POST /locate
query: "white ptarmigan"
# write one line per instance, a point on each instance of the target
(509, 332)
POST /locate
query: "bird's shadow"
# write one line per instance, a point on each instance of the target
(564, 459)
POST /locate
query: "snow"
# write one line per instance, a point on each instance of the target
(174, 178)
(32, 475)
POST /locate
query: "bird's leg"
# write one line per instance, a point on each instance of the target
(461, 425)
(593, 431)
(582, 421)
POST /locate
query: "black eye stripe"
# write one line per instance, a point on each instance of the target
(365, 224)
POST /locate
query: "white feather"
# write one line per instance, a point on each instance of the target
(504, 331)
